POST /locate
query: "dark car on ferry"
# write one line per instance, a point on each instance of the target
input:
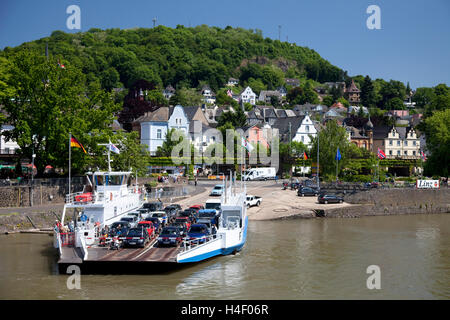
(136, 237)
(329, 198)
(208, 216)
(198, 233)
(189, 213)
(172, 210)
(170, 236)
(124, 227)
(307, 191)
(186, 221)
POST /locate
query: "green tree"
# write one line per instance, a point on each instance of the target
(331, 138)
(368, 93)
(437, 130)
(49, 102)
(186, 97)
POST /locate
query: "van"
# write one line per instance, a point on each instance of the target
(260, 174)
(213, 204)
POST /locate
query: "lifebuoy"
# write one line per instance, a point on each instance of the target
(110, 196)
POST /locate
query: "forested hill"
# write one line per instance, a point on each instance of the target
(182, 57)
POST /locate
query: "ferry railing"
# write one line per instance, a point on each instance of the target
(80, 197)
(67, 239)
(189, 244)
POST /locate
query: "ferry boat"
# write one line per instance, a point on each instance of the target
(104, 200)
(107, 198)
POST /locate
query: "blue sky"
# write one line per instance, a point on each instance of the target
(412, 45)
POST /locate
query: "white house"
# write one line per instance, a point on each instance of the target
(168, 92)
(247, 96)
(232, 82)
(304, 131)
(7, 147)
(403, 143)
(208, 95)
(154, 126)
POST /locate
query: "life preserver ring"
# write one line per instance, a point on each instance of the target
(110, 196)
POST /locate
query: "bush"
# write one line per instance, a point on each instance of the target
(358, 178)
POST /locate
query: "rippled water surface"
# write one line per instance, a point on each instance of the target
(293, 259)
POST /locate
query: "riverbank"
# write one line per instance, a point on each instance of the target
(285, 204)
(276, 204)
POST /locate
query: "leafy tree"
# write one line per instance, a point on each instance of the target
(331, 138)
(328, 101)
(174, 139)
(186, 97)
(423, 97)
(47, 103)
(368, 93)
(437, 130)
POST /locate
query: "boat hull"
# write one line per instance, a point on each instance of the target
(216, 252)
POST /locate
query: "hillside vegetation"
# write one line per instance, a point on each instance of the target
(182, 57)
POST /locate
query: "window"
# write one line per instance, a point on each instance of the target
(390, 142)
(159, 134)
(414, 153)
(406, 142)
(398, 152)
(414, 143)
(406, 153)
(307, 128)
(398, 143)
(390, 152)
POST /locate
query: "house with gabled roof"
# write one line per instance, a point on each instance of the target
(247, 96)
(153, 126)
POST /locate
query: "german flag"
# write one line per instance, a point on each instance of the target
(77, 144)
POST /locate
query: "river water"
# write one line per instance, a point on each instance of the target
(291, 259)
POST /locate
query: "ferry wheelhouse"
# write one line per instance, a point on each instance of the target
(106, 198)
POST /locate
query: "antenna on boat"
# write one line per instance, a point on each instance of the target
(109, 153)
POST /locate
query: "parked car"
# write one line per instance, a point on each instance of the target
(172, 211)
(191, 214)
(162, 216)
(199, 232)
(307, 191)
(197, 207)
(170, 236)
(217, 190)
(252, 201)
(156, 223)
(148, 225)
(370, 185)
(208, 216)
(153, 206)
(132, 220)
(124, 227)
(186, 221)
(136, 237)
(330, 198)
(136, 214)
(181, 227)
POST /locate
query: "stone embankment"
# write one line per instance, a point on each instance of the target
(393, 202)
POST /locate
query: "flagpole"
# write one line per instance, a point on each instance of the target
(70, 155)
(337, 163)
